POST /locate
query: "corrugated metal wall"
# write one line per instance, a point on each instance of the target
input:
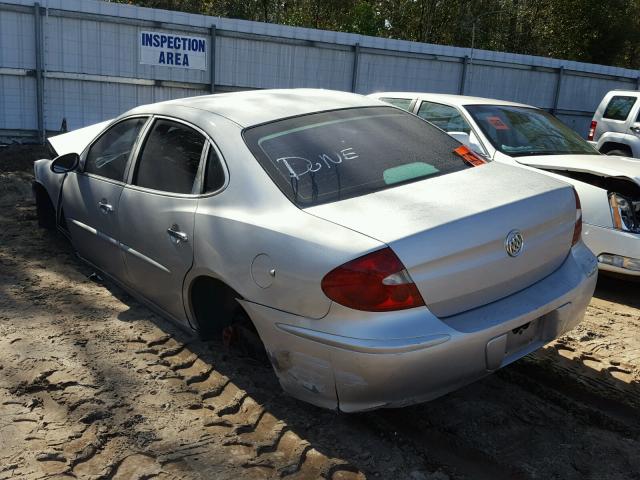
(90, 69)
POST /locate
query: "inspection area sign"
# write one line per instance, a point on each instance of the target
(171, 50)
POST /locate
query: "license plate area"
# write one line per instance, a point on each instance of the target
(522, 337)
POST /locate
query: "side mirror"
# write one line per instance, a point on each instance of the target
(65, 163)
(462, 137)
(469, 140)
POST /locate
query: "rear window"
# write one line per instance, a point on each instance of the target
(619, 108)
(330, 156)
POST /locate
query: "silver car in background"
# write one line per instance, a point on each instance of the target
(381, 262)
(517, 134)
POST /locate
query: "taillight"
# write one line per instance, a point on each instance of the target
(376, 282)
(592, 130)
(469, 156)
(577, 230)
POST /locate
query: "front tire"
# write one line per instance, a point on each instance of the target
(44, 209)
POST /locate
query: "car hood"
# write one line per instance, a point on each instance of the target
(77, 140)
(603, 165)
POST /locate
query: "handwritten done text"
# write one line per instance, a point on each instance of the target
(300, 166)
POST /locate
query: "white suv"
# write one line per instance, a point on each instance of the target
(615, 128)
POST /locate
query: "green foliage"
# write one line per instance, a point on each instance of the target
(598, 31)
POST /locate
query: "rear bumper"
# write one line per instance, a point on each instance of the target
(358, 361)
(601, 240)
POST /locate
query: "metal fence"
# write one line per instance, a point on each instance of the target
(82, 61)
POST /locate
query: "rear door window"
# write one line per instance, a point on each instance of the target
(170, 158)
(330, 156)
(108, 156)
(403, 103)
(619, 108)
(447, 118)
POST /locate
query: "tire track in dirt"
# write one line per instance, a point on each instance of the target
(270, 444)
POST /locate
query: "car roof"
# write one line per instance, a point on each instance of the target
(254, 107)
(622, 90)
(458, 100)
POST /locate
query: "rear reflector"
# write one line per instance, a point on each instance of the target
(376, 282)
(577, 230)
(592, 130)
(469, 156)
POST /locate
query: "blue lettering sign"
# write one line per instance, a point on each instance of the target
(173, 50)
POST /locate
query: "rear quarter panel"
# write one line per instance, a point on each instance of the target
(251, 228)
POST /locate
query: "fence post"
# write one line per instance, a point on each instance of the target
(354, 76)
(556, 99)
(212, 58)
(463, 76)
(37, 20)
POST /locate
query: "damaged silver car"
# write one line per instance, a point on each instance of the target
(381, 262)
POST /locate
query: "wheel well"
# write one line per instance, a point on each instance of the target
(608, 146)
(213, 304)
(42, 198)
(39, 188)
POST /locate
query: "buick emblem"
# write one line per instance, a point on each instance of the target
(513, 243)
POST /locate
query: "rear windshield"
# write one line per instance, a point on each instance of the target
(330, 156)
(522, 131)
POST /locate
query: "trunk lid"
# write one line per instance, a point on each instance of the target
(450, 231)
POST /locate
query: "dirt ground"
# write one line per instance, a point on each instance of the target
(94, 385)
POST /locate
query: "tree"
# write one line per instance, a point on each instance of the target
(582, 30)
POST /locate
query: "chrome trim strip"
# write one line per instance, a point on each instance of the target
(135, 253)
(83, 226)
(95, 232)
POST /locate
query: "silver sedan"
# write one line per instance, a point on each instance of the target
(380, 261)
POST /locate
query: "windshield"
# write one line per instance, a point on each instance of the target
(330, 156)
(522, 131)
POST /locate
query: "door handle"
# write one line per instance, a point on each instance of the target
(105, 207)
(635, 129)
(176, 235)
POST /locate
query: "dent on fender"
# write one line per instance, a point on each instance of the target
(305, 376)
(303, 368)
